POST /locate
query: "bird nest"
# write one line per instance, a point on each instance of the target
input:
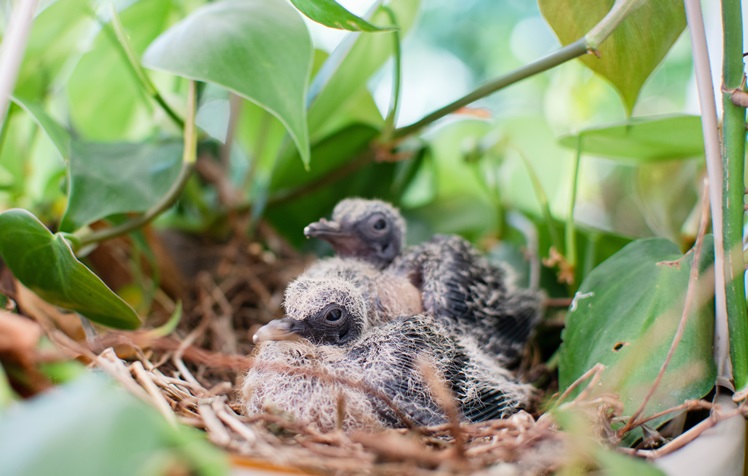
(192, 374)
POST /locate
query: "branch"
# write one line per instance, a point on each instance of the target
(733, 156)
(389, 121)
(621, 9)
(590, 42)
(714, 171)
(568, 52)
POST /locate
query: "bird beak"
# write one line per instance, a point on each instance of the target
(280, 329)
(322, 229)
(334, 233)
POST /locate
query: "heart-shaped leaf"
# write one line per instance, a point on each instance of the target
(625, 315)
(330, 13)
(259, 49)
(45, 263)
(93, 427)
(114, 178)
(57, 134)
(635, 48)
(643, 139)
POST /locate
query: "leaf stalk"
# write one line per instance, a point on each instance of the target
(733, 192)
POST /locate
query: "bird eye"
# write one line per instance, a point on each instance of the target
(380, 224)
(333, 315)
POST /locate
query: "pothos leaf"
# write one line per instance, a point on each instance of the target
(45, 263)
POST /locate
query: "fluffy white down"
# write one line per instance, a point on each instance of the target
(372, 294)
(386, 358)
(309, 400)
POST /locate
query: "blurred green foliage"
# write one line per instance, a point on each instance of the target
(93, 427)
(295, 125)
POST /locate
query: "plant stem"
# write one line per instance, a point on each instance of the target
(13, 48)
(137, 69)
(389, 121)
(568, 52)
(620, 10)
(590, 42)
(258, 148)
(571, 232)
(733, 154)
(714, 171)
(542, 199)
(189, 157)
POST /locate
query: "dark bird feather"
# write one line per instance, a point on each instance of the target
(383, 356)
(458, 285)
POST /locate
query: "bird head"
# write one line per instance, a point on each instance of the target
(371, 230)
(323, 311)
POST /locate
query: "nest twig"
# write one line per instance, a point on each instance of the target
(191, 376)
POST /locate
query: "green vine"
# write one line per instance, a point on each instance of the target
(733, 191)
(84, 238)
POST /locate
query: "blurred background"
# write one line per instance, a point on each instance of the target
(485, 172)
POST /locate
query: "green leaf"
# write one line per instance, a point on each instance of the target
(18, 133)
(92, 427)
(57, 134)
(259, 49)
(667, 194)
(107, 102)
(336, 170)
(7, 395)
(57, 39)
(341, 80)
(60, 371)
(612, 463)
(114, 178)
(330, 153)
(329, 13)
(625, 315)
(643, 139)
(45, 263)
(636, 47)
(213, 118)
(589, 454)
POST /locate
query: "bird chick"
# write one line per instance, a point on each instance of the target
(458, 286)
(328, 356)
(371, 230)
(333, 317)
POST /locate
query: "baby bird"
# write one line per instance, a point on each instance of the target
(458, 286)
(327, 352)
(371, 230)
(387, 296)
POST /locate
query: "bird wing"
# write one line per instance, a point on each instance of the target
(461, 288)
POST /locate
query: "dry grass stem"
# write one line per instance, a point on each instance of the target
(157, 398)
(192, 377)
(593, 374)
